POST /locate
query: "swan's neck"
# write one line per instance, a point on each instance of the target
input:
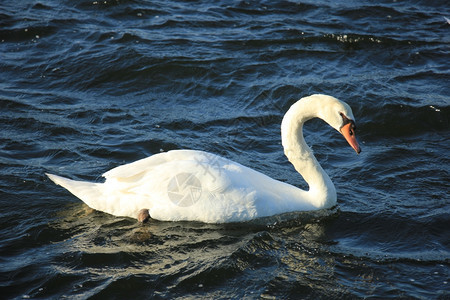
(322, 193)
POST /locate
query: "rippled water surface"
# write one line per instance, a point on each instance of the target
(89, 85)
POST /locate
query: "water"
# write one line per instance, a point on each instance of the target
(89, 85)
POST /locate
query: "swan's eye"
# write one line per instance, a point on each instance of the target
(352, 129)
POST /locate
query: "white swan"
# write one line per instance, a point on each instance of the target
(192, 185)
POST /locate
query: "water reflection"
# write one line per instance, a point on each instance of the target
(286, 253)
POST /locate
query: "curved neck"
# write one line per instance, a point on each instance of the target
(322, 192)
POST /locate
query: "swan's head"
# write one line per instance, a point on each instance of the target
(339, 115)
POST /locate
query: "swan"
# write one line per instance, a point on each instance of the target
(191, 185)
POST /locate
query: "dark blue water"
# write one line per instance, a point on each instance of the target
(86, 86)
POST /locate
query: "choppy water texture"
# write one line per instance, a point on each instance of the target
(89, 85)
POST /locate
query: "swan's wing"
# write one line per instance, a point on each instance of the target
(156, 172)
(156, 183)
(178, 185)
(194, 186)
(121, 173)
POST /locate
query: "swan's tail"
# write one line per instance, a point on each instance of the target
(89, 192)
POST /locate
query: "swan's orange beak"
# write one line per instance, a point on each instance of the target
(348, 132)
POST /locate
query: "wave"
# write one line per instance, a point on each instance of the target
(90, 85)
(401, 120)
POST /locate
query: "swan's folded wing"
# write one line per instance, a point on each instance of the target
(137, 168)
